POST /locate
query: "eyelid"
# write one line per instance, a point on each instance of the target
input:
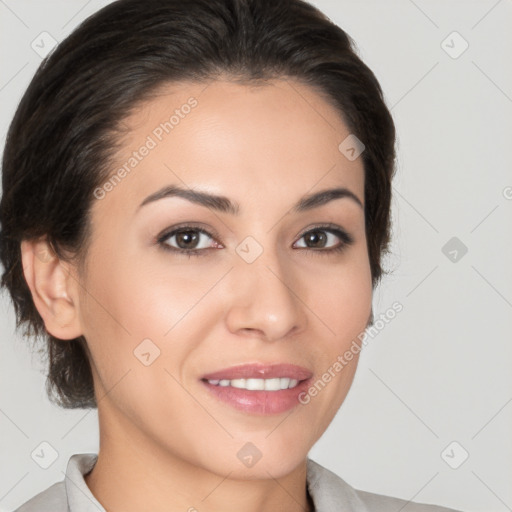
(166, 233)
(342, 234)
(326, 226)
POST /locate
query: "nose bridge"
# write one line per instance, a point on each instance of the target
(263, 298)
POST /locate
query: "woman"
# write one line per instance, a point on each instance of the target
(196, 199)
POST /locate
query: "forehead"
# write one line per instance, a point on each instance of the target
(280, 138)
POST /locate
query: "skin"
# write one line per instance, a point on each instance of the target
(165, 442)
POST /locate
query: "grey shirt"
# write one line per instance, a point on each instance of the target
(328, 491)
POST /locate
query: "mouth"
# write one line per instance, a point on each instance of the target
(275, 384)
(258, 388)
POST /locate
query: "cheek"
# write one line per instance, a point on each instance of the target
(119, 311)
(342, 298)
(135, 311)
(126, 294)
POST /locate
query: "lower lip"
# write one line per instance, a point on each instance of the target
(259, 401)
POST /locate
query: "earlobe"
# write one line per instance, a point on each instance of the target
(53, 289)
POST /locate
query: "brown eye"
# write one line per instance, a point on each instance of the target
(187, 240)
(316, 239)
(193, 241)
(322, 238)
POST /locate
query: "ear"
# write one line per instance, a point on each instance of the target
(53, 288)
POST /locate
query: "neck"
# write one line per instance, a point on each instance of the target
(133, 473)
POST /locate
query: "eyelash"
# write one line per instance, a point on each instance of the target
(346, 240)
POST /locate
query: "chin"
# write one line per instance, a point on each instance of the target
(263, 457)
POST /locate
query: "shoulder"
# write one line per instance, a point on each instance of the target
(52, 499)
(329, 492)
(389, 504)
(71, 493)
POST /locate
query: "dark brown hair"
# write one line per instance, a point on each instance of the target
(66, 127)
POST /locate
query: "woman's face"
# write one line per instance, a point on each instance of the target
(266, 285)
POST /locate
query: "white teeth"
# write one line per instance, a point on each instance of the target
(238, 383)
(274, 384)
(254, 384)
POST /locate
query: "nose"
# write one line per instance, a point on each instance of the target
(265, 300)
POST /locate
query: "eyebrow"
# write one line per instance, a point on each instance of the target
(225, 205)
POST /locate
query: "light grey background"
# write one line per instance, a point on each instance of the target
(440, 371)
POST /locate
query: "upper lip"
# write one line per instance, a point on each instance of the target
(260, 371)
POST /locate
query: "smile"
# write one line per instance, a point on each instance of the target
(274, 384)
